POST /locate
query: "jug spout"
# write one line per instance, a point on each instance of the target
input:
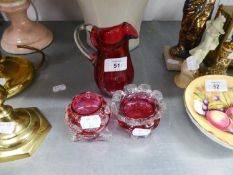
(130, 31)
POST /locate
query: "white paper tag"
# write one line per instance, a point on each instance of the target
(216, 86)
(115, 64)
(171, 61)
(90, 122)
(59, 88)
(139, 132)
(230, 56)
(2, 81)
(192, 63)
(7, 127)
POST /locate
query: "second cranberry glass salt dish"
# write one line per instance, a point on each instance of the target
(138, 109)
(112, 61)
(87, 116)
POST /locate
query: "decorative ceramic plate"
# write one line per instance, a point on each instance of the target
(200, 103)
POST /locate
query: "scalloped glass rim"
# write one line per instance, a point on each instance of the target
(131, 89)
(77, 106)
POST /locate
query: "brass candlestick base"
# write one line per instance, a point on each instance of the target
(15, 74)
(31, 127)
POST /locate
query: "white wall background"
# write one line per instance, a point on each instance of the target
(69, 10)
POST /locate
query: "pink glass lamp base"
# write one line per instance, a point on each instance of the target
(22, 31)
(38, 37)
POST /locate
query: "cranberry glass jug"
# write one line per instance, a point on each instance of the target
(113, 67)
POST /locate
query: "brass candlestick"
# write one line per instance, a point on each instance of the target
(195, 15)
(30, 128)
(222, 62)
(15, 74)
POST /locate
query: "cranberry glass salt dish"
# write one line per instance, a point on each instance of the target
(138, 109)
(87, 116)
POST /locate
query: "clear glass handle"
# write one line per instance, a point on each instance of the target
(84, 27)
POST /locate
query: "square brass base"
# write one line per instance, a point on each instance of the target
(30, 145)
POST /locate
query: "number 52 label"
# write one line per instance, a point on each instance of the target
(216, 86)
(115, 64)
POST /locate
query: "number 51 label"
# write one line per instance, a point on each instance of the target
(115, 64)
(216, 86)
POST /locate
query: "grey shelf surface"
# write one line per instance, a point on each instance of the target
(175, 147)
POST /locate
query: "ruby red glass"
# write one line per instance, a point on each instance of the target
(87, 116)
(138, 109)
(113, 67)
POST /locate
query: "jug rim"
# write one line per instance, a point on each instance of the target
(112, 36)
